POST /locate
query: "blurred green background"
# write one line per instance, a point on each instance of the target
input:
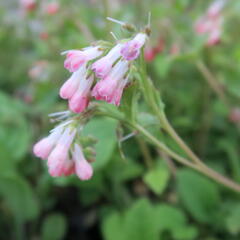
(126, 199)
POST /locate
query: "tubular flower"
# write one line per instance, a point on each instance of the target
(111, 87)
(83, 169)
(76, 58)
(52, 8)
(131, 49)
(64, 156)
(28, 5)
(71, 85)
(211, 23)
(103, 66)
(79, 101)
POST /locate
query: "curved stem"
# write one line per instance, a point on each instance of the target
(199, 166)
(212, 81)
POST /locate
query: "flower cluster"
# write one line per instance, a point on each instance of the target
(97, 71)
(63, 152)
(110, 66)
(211, 23)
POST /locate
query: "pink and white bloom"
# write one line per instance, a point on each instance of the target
(43, 148)
(83, 169)
(131, 49)
(80, 100)
(215, 8)
(214, 37)
(28, 5)
(211, 23)
(52, 8)
(76, 58)
(103, 66)
(111, 87)
(58, 158)
(69, 88)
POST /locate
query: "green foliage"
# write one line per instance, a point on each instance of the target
(54, 227)
(146, 221)
(157, 179)
(200, 196)
(104, 130)
(125, 199)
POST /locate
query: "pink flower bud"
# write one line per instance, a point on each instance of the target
(149, 54)
(60, 152)
(76, 58)
(131, 49)
(71, 85)
(215, 8)
(103, 66)
(82, 168)
(43, 148)
(79, 101)
(52, 8)
(28, 5)
(111, 87)
(214, 37)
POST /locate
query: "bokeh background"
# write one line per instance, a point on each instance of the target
(128, 198)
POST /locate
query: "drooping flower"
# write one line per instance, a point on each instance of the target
(71, 85)
(131, 49)
(103, 66)
(64, 156)
(111, 87)
(76, 58)
(211, 23)
(28, 5)
(52, 8)
(215, 8)
(80, 100)
(59, 155)
(83, 169)
(43, 148)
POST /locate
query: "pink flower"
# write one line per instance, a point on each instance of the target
(215, 8)
(111, 87)
(28, 5)
(131, 49)
(52, 8)
(82, 168)
(214, 37)
(43, 148)
(76, 58)
(149, 54)
(71, 85)
(65, 167)
(203, 25)
(57, 160)
(103, 66)
(211, 23)
(79, 101)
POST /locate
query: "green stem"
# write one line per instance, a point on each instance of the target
(202, 168)
(145, 151)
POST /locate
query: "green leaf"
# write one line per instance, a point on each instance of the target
(157, 179)
(233, 220)
(54, 227)
(199, 195)
(126, 170)
(174, 221)
(144, 221)
(14, 129)
(19, 198)
(137, 223)
(104, 130)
